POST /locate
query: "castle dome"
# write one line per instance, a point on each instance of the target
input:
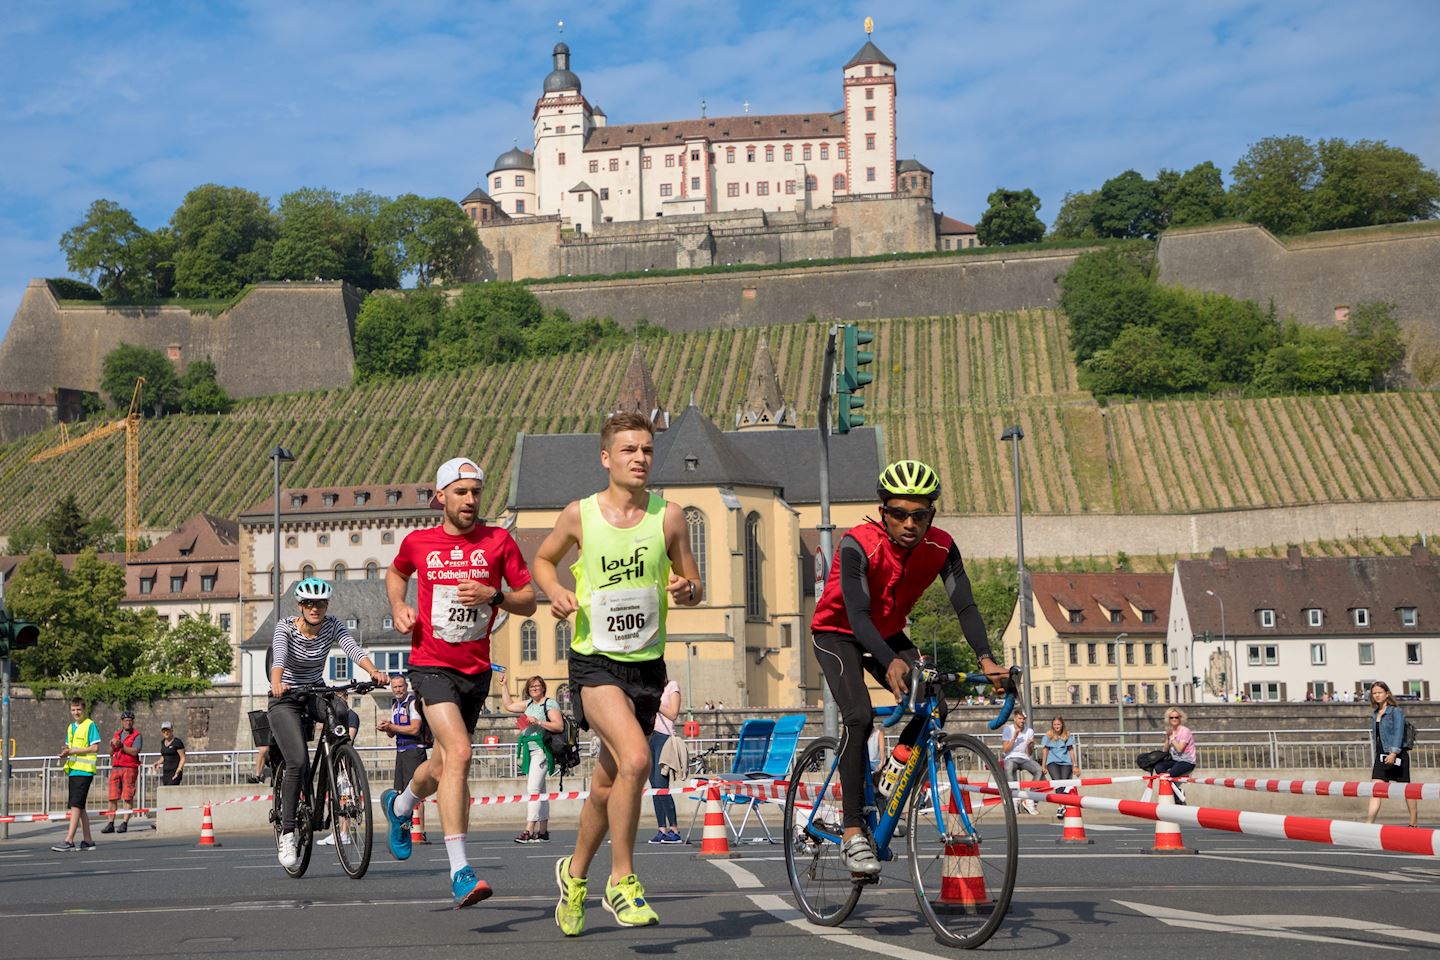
(561, 78)
(514, 159)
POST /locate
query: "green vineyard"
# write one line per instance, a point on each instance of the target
(944, 389)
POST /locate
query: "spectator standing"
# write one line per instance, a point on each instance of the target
(666, 820)
(541, 715)
(1392, 760)
(1019, 740)
(1180, 755)
(1061, 756)
(125, 747)
(407, 728)
(171, 765)
(82, 747)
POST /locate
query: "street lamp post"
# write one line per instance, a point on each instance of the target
(1235, 655)
(1119, 685)
(1014, 434)
(277, 579)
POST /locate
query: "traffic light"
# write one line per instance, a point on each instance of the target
(852, 378)
(16, 634)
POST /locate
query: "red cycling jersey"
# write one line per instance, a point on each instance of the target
(447, 633)
(897, 578)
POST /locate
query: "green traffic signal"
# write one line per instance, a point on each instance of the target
(16, 634)
(852, 378)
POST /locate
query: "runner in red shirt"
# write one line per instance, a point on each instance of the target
(461, 565)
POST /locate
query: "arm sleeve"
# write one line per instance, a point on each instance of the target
(279, 648)
(402, 562)
(351, 648)
(517, 574)
(962, 598)
(94, 734)
(855, 589)
(139, 744)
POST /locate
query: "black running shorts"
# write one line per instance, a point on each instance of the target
(643, 681)
(443, 685)
(79, 784)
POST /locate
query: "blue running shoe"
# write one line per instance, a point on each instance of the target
(466, 889)
(399, 826)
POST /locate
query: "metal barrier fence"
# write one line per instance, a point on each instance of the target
(38, 783)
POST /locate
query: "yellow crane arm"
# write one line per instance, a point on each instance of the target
(99, 433)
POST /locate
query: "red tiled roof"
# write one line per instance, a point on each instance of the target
(1094, 593)
(202, 537)
(345, 499)
(789, 126)
(949, 226)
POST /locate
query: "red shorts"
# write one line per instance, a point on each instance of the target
(122, 783)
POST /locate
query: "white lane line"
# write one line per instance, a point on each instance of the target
(743, 878)
(1397, 877)
(782, 911)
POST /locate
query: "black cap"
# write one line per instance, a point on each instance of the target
(127, 714)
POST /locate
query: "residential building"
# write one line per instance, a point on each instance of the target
(952, 234)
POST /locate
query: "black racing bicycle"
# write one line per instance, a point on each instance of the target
(336, 794)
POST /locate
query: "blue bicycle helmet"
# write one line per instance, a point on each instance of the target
(313, 588)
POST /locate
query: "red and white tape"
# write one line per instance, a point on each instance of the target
(1326, 788)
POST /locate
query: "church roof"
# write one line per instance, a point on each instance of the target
(792, 126)
(514, 159)
(477, 196)
(869, 54)
(694, 453)
(764, 403)
(637, 390)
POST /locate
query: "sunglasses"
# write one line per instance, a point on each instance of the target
(900, 514)
(314, 603)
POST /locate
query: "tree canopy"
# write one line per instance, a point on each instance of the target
(120, 368)
(1011, 217)
(66, 529)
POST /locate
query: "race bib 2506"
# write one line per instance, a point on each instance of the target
(623, 621)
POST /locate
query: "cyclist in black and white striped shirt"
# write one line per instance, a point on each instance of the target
(301, 646)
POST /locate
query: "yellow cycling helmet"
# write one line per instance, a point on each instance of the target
(908, 478)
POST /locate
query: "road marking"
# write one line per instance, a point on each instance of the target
(743, 878)
(778, 908)
(1398, 877)
(1281, 926)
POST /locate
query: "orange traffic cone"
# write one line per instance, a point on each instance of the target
(715, 841)
(1167, 834)
(207, 829)
(417, 824)
(962, 882)
(1074, 829)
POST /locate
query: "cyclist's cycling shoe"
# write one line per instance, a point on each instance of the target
(858, 856)
(289, 855)
(570, 911)
(626, 902)
(466, 889)
(399, 836)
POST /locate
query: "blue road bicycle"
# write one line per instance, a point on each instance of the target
(961, 845)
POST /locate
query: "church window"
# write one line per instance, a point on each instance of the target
(869, 113)
(695, 525)
(824, 151)
(812, 182)
(754, 592)
(870, 174)
(529, 642)
(604, 193)
(839, 151)
(519, 206)
(644, 163)
(769, 153)
(667, 189)
(732, 189)
(560, 159)
(749, 154)
(563, 635)
(614, 164)
(519, 179)
(805, 152)
(729, 154)
(594, 166)
(869, 141)
(669, 159)
(762, 189)
(869, 93)
(789, 152)
(789, 186)
(839, 183)
(694, 183)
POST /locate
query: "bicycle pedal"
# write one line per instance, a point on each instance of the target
(860, 879)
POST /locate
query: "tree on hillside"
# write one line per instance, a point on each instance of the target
(224, 237)
(1010, 218)
(153, 276)
(1102, 293)
(65, 529)
(433, 237)
(1376, 341)
(103, 247)
(322, 234)
(1370, 182)
(393, 331)
(161, 393)
(200, 392)
(1195, 196)
(1073, 222)
(1127, 206)
(1271, 184)
(485, 324)
(1142, 361)
(195, 647)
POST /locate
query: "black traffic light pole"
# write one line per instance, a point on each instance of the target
(827, 529)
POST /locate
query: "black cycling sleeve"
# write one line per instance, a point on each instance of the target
(855, 590)
(962, 598)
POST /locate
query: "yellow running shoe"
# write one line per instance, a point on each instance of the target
(626, 902)
(570, 911)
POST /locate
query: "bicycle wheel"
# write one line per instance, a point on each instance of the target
(825, 891)
(302, 825)
(963, 881)
(351, 813)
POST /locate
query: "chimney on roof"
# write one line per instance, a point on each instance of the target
(1219, 559)
(1293, 560)
(1420, 554)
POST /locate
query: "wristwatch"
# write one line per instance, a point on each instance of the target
(497, 599)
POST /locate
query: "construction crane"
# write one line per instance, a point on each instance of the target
(131, 425)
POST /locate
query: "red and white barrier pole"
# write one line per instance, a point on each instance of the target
(1327, 788)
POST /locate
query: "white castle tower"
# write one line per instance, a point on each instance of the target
(870, 120)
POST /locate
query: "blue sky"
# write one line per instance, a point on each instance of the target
(139, 102)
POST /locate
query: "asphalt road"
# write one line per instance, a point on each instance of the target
(141, 896)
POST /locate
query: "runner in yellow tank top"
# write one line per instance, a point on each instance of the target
(634, 562)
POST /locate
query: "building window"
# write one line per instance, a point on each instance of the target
(1130, 654)
(1367, 654)
(1149, 654)
(529, 642)
(839, 151)
(754, 581)
(1115, 616)
(789, 187)
(695, 183)
(1317, 654)
(387, 537)
(1074, 654)
(1418, 689)
(354, 538)
(147, 584)
(870, 174)
(812, 182)
(762, 188)
(1094, 691)
(388, 623)
(1075, 693)
(869, 93)
(839, 183)
(669, 159)
(1110, 654)
(1407, 617)
(594, 166)
(340, 571)
(291, 540)
(564, 633)
(870, 113)
(789, 152)
(869, 71)
(1045, 654)
(1264, 691)
(519, 206)
(207, 583)
(323, 539)
(695, 526)
(1091, 654)
(644, 163)
(1362, 617)
(824, 151)
(869, 141)
(307, 571)
(732, 189)
(392, 496)
(769, 153)
(225, 622)
(1315, 616)
(749, 154)
(1267, 619)
(1076, 616)
(604, 193)
(519, 179)
(177, 584)
(1412, 653)
(497, 183)
(559, 159)
(729, 154)
(805, 152)
(1147, 616)
(667, 189)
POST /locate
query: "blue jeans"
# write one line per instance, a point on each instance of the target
(664, 805)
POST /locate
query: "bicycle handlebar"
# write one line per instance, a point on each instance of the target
(922, 674)
(354, 686)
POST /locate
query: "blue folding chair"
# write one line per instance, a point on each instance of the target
(764, 754)
(750, 754)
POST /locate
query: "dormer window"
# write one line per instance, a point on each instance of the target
(1408, 617)
(362, 497)
(297, 500)
(329, 499)
(1267, 619)
(352, 623)
(1076, 616)
(177, 584)
(1116, 616)
(392, 496)
(1315, 617)
(1362, 616)
(1147, 616)
(423, 495)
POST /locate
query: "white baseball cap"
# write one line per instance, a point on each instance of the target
(452, 470)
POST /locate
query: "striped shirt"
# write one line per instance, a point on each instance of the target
(303, 658)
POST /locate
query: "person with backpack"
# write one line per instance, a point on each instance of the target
(541, 716)
(1393, 736)
(666, 822)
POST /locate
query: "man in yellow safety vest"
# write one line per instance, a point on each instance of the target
(82, 746)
